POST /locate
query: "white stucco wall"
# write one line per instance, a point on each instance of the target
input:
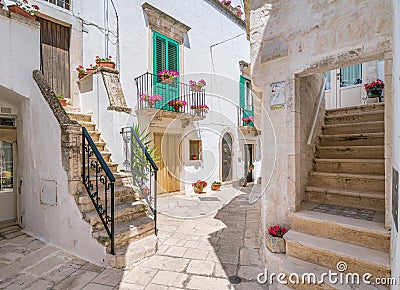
(395, 249)
(39, 146)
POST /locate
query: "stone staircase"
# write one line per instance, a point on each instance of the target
(343, 219)
(134, 228)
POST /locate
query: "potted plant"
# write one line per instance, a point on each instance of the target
(81, 71)
(248, 120)
(1, 5)
(167, 76)
(25, 9)
(199, 185)
(227, 3)
(199, 109)
(374, 89)
(197, 86)
(274, 239)
(91, 69)
(151, 100)
(251, 167)
(216, 185)
(194, 157)
(238, 10)
(106, 62)
(62, 100)
(177, 104)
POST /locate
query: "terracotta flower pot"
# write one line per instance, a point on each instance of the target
(216, 187)
(81, 75)
(198, 190)
(18, 10)
(166, 80)
(196, 88)
(90, 70)
(198, 112)
(275, 244)
(63, 102)
(375, 93)
(108, 64)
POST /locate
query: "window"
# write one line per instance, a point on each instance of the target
(61, 3)
(6, 166)
(351, 75)
(246, 98)
(165, 56)
(327, 75)
(194, 149)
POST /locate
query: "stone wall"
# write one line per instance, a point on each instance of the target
(291, 40)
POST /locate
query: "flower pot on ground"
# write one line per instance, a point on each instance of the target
(274, 239)
(199, 185)
(216, 185)
(105, 62)
(62, 100)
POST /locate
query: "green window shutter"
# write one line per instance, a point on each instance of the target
(242, 91)
(165, 53)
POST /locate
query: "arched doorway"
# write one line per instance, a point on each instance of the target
(226, 157)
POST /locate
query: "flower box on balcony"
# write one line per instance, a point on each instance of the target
(18, 10)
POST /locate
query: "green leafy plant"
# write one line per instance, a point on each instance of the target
(60, 97)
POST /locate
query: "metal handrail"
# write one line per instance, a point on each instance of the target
(321, 96)
(150, 84)
(89, 149)
(147, 188)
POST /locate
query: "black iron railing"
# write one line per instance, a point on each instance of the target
(150, 84)
(245, 112)
(97, 178)
(139, 162)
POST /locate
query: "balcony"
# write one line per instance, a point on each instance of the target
(150, 85)
(247, 127)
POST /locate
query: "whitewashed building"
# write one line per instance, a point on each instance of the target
(41, 145)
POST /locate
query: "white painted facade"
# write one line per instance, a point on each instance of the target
(39, 171)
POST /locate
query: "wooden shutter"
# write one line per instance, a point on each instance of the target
(165, 53)
(55, 63)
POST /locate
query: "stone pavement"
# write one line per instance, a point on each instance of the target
(201, 253)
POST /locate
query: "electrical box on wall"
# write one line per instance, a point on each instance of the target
(48, 192)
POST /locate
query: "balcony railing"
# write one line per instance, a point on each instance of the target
(245, 112)
(150, 84)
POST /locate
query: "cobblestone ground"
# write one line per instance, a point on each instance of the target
(201, 253)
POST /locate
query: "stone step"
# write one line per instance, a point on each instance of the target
(348, 181)
(95, 135)
(78, 116)
(357, 117)
(122, 213)
(101, 145)
(122, 195)
(328, 253)
(346, 197)
(356, 109)
(105, 154)
(354, 231)
(351, 128)
(134, 252)
(111, 165)
(351, 152)
(127, 232)
(305, 269)
(356, 166)
(365, 139)
(90, 126)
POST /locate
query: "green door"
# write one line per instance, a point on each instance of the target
(166, 56)
(246, 98)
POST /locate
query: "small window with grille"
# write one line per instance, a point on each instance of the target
(61, 3)
(195, 149)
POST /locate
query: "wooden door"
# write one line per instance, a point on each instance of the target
(55, 62)
(168, 149)
(226, 157)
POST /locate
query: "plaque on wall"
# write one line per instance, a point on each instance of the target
(278, 98)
